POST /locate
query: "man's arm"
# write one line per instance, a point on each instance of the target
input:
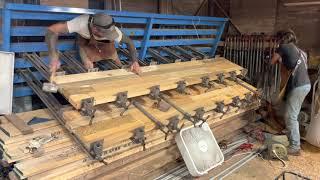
(132, 50)
(133, 54)
(51, 39)
(276, 58)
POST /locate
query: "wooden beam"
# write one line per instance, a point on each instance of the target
(310, 3)
(19, 124)
(105, 87)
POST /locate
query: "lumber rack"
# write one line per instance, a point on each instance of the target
(55, 109)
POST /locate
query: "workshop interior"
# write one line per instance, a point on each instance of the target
(159, 89)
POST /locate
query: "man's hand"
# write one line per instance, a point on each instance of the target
(135, 68)
(54, 66)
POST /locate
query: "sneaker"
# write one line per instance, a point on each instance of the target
(294, 152)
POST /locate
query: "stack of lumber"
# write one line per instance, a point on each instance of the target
(61, 158)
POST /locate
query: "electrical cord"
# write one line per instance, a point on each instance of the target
(283, 162)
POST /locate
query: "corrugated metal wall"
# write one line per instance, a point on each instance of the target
(186, 7)
(269, 16)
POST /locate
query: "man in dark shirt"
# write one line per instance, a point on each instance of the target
(298, 85)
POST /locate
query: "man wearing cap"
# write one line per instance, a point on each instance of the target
(96, 37)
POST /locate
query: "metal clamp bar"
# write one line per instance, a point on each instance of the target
(171, 53)
(127, 54)
(87, 108)
(96, 149)
(157, 56)
(234, 78)
(248, 99)
(199, 115)
(155, 92)
(77, 63)
(181, 87)
(205, 82)
(221, 79)
(159, 124)
(139, 137)
(220, 108)
(195, 51)
(173, 124)
(109, 64)
(185, 114)
(38, 64)
(184, 53)
(73, 63)
(122, 101)
(236, 102)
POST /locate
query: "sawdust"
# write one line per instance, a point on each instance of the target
(308, 164)
(72, 151)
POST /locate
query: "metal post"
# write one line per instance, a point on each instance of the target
(217, 39)
(6, 29)
(146, 38)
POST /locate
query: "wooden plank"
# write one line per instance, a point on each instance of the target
(111, 122)
(43, 163)
(43, 132)
(64, 160)
(19, 124)
(177, 97)
(311, 3)
(9, 129)
(206, 100)
(97, 168)
(105, 89)
(18, 152)
(122, 72)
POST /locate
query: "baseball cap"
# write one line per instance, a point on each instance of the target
(105, 25)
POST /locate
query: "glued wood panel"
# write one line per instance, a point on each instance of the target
(104, 86)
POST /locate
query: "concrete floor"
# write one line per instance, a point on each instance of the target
(308, 164)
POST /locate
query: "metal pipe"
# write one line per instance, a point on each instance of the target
(225, 47)
(248, 55)
(241, 50)
(152, 118)
(39, 65)
(229, 47)
(236, 49)
(249, 58)
(257, 59)
(172, 104)
(183, 52)
(185, 114)
(72, 63)
(244, 50)
(171, 53)
(253, 58)
(120, 5)
(195, 51)
(158, 56)
(236, 166)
